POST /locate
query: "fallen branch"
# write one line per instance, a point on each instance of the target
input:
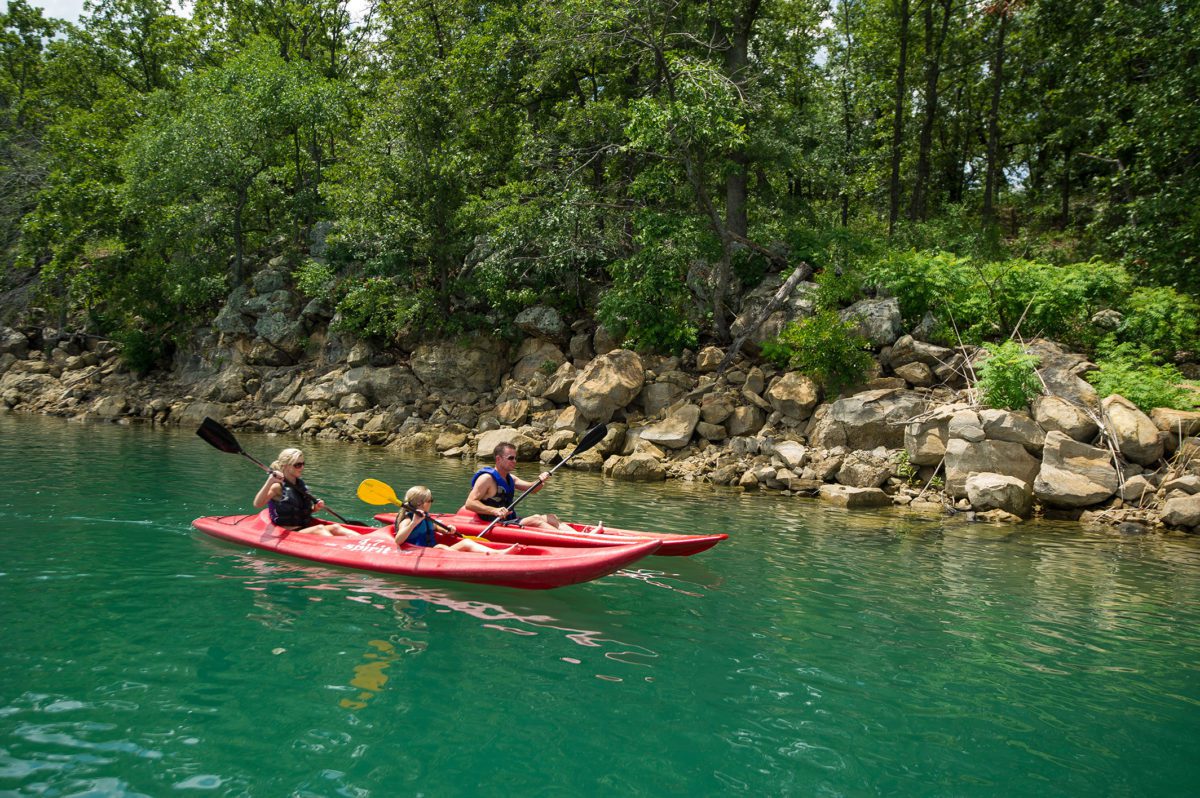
(799, 274)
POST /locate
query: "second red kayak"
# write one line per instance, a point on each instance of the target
(672, 545)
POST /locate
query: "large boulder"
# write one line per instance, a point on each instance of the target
(907, 350)
(877, 320)
(1183, 423)
(607, 384)
(867, 420)
(1054, 413)
(964, 458)
(675, 431)
(1182, 511)
(486, 443)
(794, 395)
(1063, 371)
(1134, 433)
(1074, 474)
(536, 356)
(637, 467)
(745, 420)
(1008, 425)
(854, 498)
(477, 364)
(384, 386)
(541, 321)
(925, 437)
(861, 470)
(1000, 492)
(658, 396)
(13, 343)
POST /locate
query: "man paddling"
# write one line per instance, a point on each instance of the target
(494, 487)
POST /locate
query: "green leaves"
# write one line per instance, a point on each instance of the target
(1008, 378)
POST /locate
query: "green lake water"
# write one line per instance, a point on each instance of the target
(815, 652)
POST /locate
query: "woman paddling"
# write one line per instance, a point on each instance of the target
(288, 501)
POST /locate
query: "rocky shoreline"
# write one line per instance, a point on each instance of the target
(913, 436)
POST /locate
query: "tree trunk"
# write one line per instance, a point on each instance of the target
(917, 209)
(898, 121)
(991, 177)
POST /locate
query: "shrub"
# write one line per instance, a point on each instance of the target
(372, 309)
(1132, 371)
(824, 348)
(1008, 378)
(313, 278)
(1161, 319)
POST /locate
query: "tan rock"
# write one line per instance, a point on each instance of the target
(1074, 474)
(854, 498)
(607, 384)
(1135, 434)
(1056, 413)
(988, 491)
(794, 395)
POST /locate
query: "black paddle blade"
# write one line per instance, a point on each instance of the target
(218, 437)
(591, 438)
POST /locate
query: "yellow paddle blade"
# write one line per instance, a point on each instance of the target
(372, 491)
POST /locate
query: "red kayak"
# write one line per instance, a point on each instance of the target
(584, 536)
(533, 567)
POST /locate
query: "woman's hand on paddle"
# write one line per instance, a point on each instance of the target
(319, 505)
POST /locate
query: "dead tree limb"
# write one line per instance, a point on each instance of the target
(800, 273)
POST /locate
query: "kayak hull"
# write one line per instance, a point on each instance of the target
(672, 545)
(532, 568)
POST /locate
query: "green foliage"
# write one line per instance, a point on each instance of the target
(373, 308)
(648, 303)
(1162, 320)
(1008, 377)
(905, 470)
(1134, 372)
(141, 351)
(314, 278)
(824, 348)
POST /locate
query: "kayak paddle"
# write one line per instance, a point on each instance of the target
(590, 439)
(372, 491)
(220, 438)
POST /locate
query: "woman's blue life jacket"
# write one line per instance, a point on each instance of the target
(506, 488)
(423, 534)
(294, 507)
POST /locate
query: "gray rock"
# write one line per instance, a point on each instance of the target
(1074, 474)
(745, 420)
(917, 375)
(541, 321)
(1006, 458)
(1182, 511)
(1188, 483)
(477, 365)
(965, 424)
(866, 420)
(799, 305)
(877, 320)
(608, 384)
(1008, 425)
(536, 356)
(1183, 423)
(637, 467)
(675, 431)
(1136, 489)
(793, 454)
(861, 470)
